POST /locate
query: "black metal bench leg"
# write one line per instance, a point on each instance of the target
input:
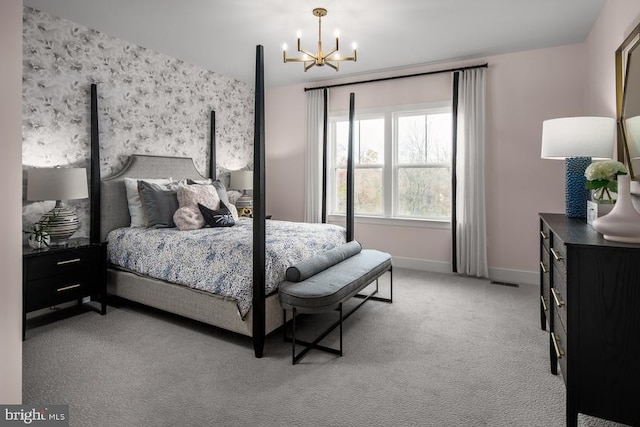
(340, 329)
(293, 338)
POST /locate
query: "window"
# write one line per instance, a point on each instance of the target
(402, 163)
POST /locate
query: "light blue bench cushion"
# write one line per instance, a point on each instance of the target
(325, 290)
(305, 269)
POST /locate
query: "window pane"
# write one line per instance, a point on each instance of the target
(411, 139)
(438, 138)
(342, 141)
(368, 191)
(424, 192)
(368, 141)
(371, 142)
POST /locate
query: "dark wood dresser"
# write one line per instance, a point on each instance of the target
(56, 275)
(590, 303)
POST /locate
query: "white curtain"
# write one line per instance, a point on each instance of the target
(471, 239)
(313, 170)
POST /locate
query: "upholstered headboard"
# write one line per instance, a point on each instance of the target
(114, 209)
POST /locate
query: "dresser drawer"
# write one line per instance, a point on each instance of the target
(558, 295)
(558, 252)
(559, 343)
(49, 291)
(62, 262)
(545, 235)
(546, 281)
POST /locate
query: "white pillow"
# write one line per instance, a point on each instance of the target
(136, 211)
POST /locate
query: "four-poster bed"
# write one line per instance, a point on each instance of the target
(109, 212)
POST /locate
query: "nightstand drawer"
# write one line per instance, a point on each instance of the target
(61, 262)
(49, 291)
(558, 296)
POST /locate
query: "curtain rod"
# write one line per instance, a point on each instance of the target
(485, 65)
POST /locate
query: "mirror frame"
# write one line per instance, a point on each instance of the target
(622, 53)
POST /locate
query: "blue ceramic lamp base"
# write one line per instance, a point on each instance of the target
(576, 194)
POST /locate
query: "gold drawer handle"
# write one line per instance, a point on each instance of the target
(556, 255)
(544, 303)
(66, 288)
(544, 236)
(543, 267)
(70, 261)
(559, 301)
(556, 345)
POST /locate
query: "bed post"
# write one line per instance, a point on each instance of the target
(259, 210)
(350, 213)
(94, 232)
(212, 148)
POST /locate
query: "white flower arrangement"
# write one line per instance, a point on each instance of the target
(602, 177)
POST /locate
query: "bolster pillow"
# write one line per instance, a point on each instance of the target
(307, 268)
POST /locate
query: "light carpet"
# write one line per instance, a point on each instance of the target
(450, 351)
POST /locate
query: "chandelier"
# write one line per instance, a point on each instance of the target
(320, 58)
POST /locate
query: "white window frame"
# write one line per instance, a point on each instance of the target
(389, 168)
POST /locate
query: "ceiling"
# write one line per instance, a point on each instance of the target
(221, 35)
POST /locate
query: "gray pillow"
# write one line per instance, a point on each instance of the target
(314, 265)
(160, 202)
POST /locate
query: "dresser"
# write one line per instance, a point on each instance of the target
(56, 275)
(590, 304)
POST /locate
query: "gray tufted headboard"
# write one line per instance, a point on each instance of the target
(114, 211)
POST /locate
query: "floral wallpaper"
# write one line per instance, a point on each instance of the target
(149, 103)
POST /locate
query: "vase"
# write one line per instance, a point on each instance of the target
(622, 224)
(39, 241)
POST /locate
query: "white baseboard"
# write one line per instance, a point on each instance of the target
(505, 275)
(519, 277)
(422, 264)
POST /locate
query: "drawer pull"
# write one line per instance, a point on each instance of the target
(556, 255)
(556, 345)
(544, 303)
(69, 261)
(544, 236)
(66, 288)
(559, 301)
(543, 267)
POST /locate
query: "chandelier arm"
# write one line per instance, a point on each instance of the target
(306, 52)
(335, 67)
(331, 53)
(311, 64)
(299, 60)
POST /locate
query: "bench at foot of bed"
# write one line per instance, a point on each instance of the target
(324, 282)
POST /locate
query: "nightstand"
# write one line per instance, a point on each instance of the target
(60, 274)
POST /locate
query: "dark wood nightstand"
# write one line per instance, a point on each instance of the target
(60, 274)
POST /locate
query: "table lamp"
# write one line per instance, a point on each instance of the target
(58, 184)
(243, 181)
(577, 140)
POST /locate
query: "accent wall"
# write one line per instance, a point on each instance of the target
(149, 103)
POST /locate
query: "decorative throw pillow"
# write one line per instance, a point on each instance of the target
(217, 218)
(159, 203)
(189, 196)
(136, 211)
(188, 219)
(217, 184)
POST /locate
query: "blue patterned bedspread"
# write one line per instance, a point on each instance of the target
(219, 260)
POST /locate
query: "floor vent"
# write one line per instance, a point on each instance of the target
(511, 285)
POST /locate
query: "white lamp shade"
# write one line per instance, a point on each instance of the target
(241, 180)
(57, 184)
(578, 137)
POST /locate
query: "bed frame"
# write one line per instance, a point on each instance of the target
(109, 211)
